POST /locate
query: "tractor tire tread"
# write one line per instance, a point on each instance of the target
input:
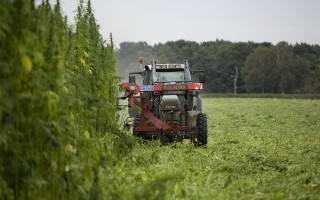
(202, 136)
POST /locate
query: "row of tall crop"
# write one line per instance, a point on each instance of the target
(58, 119)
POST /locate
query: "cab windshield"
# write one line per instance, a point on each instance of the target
(170, 75)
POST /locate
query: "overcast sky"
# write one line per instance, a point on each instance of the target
(157, 21)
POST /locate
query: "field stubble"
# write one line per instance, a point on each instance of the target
(257, 149)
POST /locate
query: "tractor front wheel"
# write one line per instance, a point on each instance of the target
(202, 135)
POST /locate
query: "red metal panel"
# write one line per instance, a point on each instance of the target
(157, 88)
(131, 91)
(147, 129)
(150, 88)
(173, 87)
(180, 128)
(195, 86)
(190, 86)
(155, 121)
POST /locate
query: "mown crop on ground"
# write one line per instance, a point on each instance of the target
(257, 149)
(266, 95)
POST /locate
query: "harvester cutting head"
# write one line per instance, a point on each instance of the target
(170, 104)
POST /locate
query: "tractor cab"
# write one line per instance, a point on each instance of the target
(166, 73)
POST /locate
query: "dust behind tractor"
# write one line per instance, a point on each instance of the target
(168, 102)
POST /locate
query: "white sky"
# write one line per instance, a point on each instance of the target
(157, 21)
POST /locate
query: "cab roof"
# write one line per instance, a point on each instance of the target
(168, 66)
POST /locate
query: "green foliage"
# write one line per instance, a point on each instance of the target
(276, 69)
(228, 58)
(258, 71)
(58, 120)
(262, 67)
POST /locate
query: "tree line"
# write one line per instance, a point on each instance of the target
(236, 67)
(58, 118)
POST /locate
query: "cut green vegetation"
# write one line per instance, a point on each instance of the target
(257, 149)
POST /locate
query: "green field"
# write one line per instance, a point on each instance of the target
(257, 149)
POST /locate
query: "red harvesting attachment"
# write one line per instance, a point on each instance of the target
(148, 116)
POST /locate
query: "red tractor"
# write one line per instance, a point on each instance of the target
(171, 108)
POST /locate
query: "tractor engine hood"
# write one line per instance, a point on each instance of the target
(170, 103)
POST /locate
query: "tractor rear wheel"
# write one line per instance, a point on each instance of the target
(202, 136)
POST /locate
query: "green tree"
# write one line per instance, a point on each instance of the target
(230, 59)
(291, 69)
(258, 71)
(310, 53)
